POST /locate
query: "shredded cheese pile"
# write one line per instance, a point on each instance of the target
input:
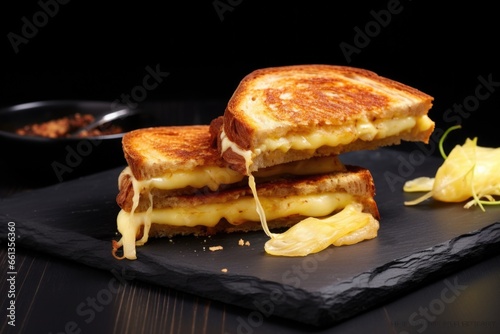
(469, 171)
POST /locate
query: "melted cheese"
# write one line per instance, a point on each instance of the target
(211, 177)
(346, 134)
(209, 215)
(311, 234)
(235, 212)
(362, 129)
(226, 143)
(469, 171)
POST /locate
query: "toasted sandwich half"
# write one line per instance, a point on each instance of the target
(176, 183)
(289, 113)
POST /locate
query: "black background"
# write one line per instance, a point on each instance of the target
(100, 50)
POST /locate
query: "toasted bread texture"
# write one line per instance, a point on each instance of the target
(306, 101)
(355, 181)
(152, 152)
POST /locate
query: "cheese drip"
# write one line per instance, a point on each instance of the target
(207, 176)
(247, 155)
(362, 129)
(312, 234)
(235, 212)
(212, 177)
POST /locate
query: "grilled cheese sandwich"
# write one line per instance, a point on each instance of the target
(282, 114)
(290, 113)
(209, 198)
(271, 161)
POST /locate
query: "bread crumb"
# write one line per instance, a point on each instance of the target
(241, 242)
(215, 248)
(224, 270)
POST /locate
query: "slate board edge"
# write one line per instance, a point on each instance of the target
(325, 308)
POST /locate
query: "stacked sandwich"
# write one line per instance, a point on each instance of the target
(271, 161)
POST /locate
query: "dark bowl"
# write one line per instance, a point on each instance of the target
(43, 161)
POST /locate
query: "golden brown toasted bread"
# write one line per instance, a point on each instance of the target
(354, 180)
(235, 205)
(155, 151)
(177, 183)
(289, 113)
(183, 160)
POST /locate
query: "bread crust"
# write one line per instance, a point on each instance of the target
(152, 152)
(169, 231)
(281, 101)
(237, 162)
(356, 181)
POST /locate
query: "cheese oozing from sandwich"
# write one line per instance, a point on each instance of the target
(362, 129)
(312, 234)
(211, 177)
(235, 212)
(247, 155)
(242, 209)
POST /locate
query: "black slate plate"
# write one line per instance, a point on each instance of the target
(76, 220)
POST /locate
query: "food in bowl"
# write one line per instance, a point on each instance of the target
(66, 126)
